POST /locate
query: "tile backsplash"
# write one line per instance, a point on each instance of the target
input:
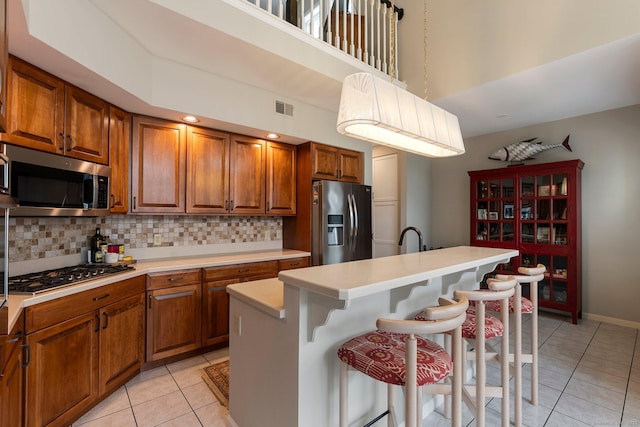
(37, 238)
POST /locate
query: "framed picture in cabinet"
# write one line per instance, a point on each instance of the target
(508, 211)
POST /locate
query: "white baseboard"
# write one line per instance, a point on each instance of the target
(230, 422)
(611, 320)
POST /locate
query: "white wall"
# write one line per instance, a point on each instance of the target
(608, 144)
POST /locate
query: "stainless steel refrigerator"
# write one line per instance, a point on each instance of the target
(341, 222)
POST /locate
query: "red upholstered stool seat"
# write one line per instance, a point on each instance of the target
(526, 305)
(381, 355)
(492, 325)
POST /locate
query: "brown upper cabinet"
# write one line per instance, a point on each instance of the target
(157, 166)
(184, 169)
(225, 173)
(336, 164)
(281, 179)
(47, 114)
(119, 138)
(4, 60)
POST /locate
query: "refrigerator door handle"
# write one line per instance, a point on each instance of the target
(351, 223)
(356, 223)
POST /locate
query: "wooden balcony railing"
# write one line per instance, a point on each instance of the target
(361, 28)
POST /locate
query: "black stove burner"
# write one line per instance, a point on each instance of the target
(34, 283)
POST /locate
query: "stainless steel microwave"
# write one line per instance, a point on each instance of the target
(45, 184)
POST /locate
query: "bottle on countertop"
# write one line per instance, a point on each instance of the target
(96, 247)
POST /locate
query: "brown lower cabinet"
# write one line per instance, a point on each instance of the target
(215, 306)
(173, 313)
(80, 348)
(11, 375)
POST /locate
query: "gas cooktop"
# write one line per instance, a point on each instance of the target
(34, 283)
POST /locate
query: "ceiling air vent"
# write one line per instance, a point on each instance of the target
(284, 108)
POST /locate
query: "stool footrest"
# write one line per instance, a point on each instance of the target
(378, 418)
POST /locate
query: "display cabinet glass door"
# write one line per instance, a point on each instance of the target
(543, 209)
(495, 210)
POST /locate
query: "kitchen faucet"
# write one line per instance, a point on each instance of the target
(421, 246)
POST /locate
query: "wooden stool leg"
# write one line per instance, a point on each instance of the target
(447, 398)
(344, 416)
(504, 362)
(459, 363)
(533, 293)
(481, 377)
(517, 355)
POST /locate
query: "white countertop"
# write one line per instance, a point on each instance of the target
(265, 295)
(17, 302)
(356, 279)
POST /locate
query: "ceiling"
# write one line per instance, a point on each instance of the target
(275, 57)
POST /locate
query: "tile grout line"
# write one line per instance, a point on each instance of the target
(626, 391)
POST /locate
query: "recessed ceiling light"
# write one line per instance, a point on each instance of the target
(501, 116)
(190, 119)
(273, 136)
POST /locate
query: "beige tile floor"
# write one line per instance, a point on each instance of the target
(589, 376)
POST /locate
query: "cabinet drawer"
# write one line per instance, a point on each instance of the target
(51, 312)
(289, 264)
(171, 279)
(240, 271)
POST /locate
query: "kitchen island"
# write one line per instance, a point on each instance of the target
(285, 333)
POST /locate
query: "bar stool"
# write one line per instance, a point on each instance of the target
(478, 327)
(522, 305)
(396, 355)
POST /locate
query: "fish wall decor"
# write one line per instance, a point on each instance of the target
(525, 150)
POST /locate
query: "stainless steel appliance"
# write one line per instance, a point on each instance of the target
(47, 184)
(34, 283)
(6, 202)
(341, 222)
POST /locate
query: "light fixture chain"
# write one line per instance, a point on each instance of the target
(425, 50)
(392, 41)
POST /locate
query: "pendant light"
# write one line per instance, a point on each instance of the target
(380, 112)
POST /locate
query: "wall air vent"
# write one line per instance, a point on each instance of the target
(284, 108)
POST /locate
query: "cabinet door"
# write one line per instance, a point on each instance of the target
(215, 312)
(11, 394)
(281, 179)
(35, 108)
(158, 166)
(173, 321)
(62, 376)
(121, 342)
(4, 60)
(324, 162)
(207, 171)
(11, 386)
(86, 126)
(119, 142)
(248, 158)
(350, 166)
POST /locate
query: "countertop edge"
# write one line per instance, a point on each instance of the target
(266, 295)
(18, 302)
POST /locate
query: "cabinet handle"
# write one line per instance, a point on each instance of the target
(294, 264)
(150, 299)
(231, 206)
(70, 145)
(226, 205)
(175, 279)
(113, 201)
(97, 324)
(268, 206)
(106, 320)
(102, 297)
(18, 335)
(178, 295)
(134, 203)
(61, 141)
(27, 359)
(243, 270)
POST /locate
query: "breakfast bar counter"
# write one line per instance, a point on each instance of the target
(284, 335)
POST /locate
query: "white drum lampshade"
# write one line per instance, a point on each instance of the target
(378, 111)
